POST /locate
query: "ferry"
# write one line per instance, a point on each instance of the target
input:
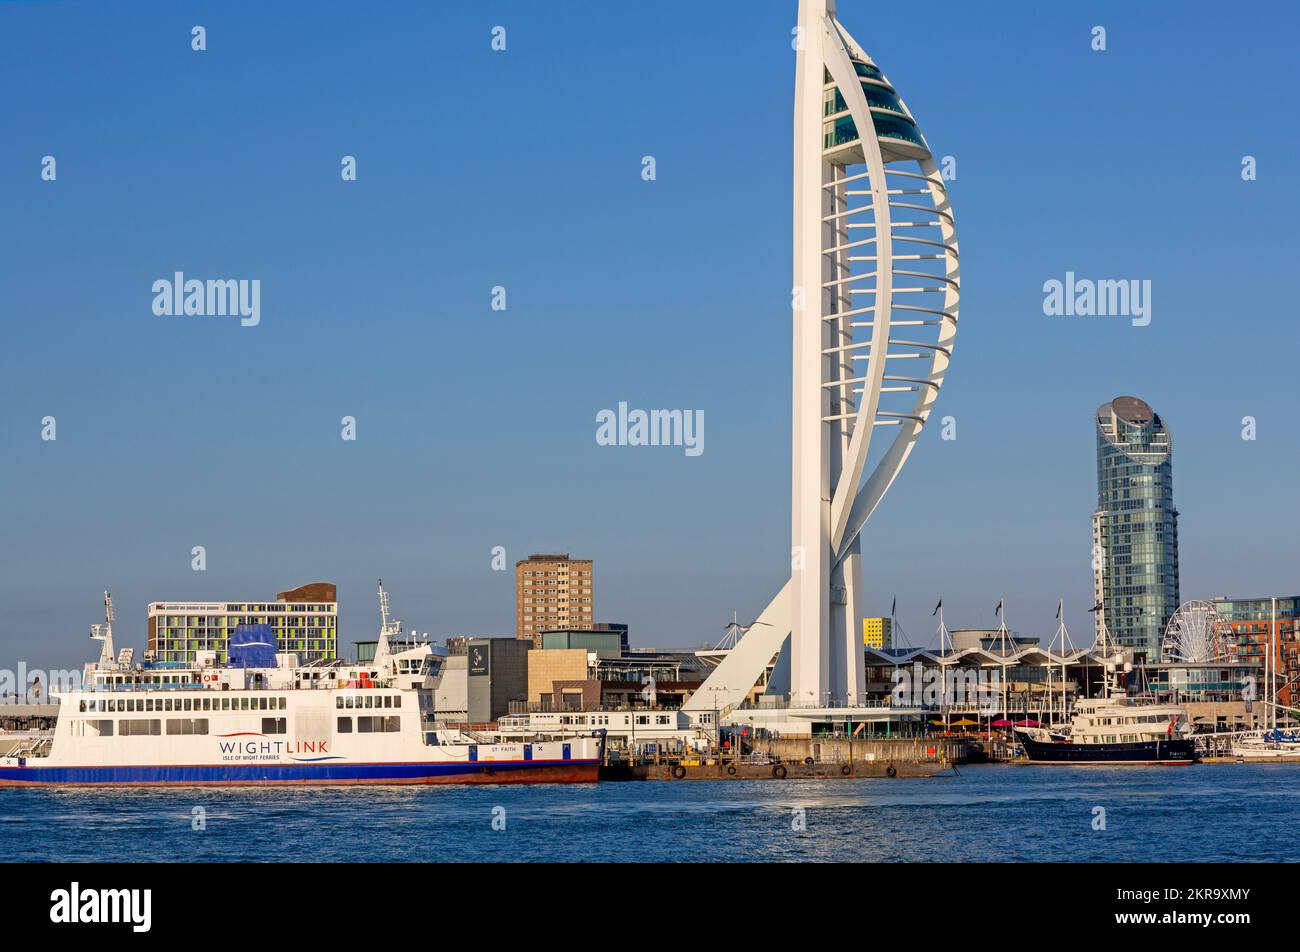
(263, 719)
(1115, 730)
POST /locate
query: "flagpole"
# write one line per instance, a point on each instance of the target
(1002, 637)
(1272, 680)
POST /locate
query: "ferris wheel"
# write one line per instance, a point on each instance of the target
(1196, 633)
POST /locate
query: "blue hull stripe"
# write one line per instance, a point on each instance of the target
(332, 772)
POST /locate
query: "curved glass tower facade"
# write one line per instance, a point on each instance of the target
(1135, 527)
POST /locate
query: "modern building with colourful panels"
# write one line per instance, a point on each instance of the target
(878, 632)
(1135, 527)
(1260, 621)
(304, 621)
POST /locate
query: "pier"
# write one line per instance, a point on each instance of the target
(801, 758)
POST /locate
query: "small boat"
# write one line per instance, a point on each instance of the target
(1115, 730)
(1267, 745)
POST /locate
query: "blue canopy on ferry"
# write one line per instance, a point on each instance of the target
(252, 646)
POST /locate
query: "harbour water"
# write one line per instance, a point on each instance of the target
(1228, 813)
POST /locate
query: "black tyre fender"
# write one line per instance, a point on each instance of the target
(779, 771)
(731, 770)
(809, 761)
(846, 770)
(679, 772)
(890, 771)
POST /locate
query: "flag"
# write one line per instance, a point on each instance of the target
(998, 610)
(893, 609)
(1095, 608)
(936, 608)
(1059, 606)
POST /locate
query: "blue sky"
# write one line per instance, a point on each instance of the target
(522, 169)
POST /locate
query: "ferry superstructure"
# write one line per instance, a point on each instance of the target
(264, 719)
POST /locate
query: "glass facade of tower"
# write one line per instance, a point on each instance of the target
(888, 114)
(1135, 528)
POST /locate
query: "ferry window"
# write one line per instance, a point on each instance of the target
(345, 725)
(83, 705)
(370, 701)
(273, 725)
(284, 703)
(187, 725)
(365, 725)
(264, 704)
(99, 728)
(207, 704)
(338, 702)
(349, 701)
(188, 702)
(388, 700)
(392, 724)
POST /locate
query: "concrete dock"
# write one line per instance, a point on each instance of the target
(782, 771)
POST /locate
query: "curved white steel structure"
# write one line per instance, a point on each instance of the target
(876, 287)
(1197, 633)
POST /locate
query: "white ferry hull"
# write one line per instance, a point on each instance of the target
(34, 774)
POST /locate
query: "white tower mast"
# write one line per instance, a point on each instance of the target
(875, 261)
(874, 308)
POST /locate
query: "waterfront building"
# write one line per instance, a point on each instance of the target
(619, 627)
(606, 643)
(496, 673)
(878, 632)
(1135, 527)
(552, 591)
(641, 733)
(990, 639)
(1258, 622)
(304, 622)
